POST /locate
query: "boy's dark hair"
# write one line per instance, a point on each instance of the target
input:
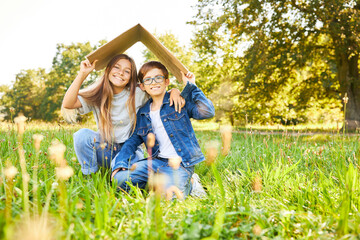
(151, 65)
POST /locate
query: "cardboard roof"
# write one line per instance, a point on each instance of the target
(124, 41)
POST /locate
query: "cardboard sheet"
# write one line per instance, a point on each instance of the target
(124, 41)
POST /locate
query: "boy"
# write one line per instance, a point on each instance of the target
(173, 131)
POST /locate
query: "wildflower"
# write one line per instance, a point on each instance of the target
(158, 182)
(226, 135)
(103, 145)
(133, 167)
(150, 140)
(10, 172)
(26, 177)
(35, 228)
(265, 142)
(211, 152)
(257, 230)
(257, 184)
(12, 110)
(56, 151)
(79, 205)
(345, 98)
(20, 123)
(174, 190)
(37, 140)
(54, 185)
(64, 173)
(174, 162)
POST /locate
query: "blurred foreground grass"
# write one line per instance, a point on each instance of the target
(275, 186)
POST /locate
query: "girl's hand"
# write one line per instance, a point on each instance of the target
(176, 99)
(86, 67)
(189, 77)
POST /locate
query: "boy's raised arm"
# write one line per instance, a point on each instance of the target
(198, 105)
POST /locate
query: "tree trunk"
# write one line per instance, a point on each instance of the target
(348, 75)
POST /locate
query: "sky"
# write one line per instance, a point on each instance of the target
(30, 29)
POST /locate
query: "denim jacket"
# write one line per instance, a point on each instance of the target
(177, 126)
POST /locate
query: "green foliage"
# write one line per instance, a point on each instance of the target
(38, 94)
(26, 94)
(289, 55)
(65, 66)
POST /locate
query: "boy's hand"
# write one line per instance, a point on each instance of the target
(189, 77)
(115, 172)
(86, 67)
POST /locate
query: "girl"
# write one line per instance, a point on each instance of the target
(114, 101)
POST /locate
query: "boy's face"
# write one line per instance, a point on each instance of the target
(154, 88)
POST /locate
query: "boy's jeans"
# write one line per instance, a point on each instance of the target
(91, 156)
(139, 176)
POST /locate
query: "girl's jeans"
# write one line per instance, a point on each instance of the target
(91, 155)
(180, 178)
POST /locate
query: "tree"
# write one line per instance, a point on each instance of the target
(64, 69)
(285, 38)
(26, 94)
(38, 94)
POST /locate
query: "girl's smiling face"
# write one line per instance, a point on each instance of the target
(120, 75)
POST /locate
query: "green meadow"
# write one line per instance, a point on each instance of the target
(273, 184)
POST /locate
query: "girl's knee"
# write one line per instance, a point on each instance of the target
(84, 135)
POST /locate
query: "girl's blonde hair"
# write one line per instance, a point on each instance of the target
(100, 94)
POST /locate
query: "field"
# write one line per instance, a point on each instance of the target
(284, 185)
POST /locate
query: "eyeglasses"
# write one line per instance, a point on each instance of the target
(157, 79)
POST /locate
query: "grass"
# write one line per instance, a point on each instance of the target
(268, 186)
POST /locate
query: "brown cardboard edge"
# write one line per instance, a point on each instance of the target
(127, 39)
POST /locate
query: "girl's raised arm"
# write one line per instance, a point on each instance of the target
(71, 100)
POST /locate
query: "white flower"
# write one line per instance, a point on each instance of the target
(20, 123)
(211, 152)
(56, 152)
(64, 173)
(10, 172)
(174, 162)
(174, 190)
(103, 145)
(150, 140)
(37, 140)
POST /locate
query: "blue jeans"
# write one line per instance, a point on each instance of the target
(180, 178)
(89, 153)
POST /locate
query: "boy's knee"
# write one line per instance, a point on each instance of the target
(120, 178)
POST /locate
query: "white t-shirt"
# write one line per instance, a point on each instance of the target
(122, 124)
(166, 148)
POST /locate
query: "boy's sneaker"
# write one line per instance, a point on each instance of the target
(197, 189)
